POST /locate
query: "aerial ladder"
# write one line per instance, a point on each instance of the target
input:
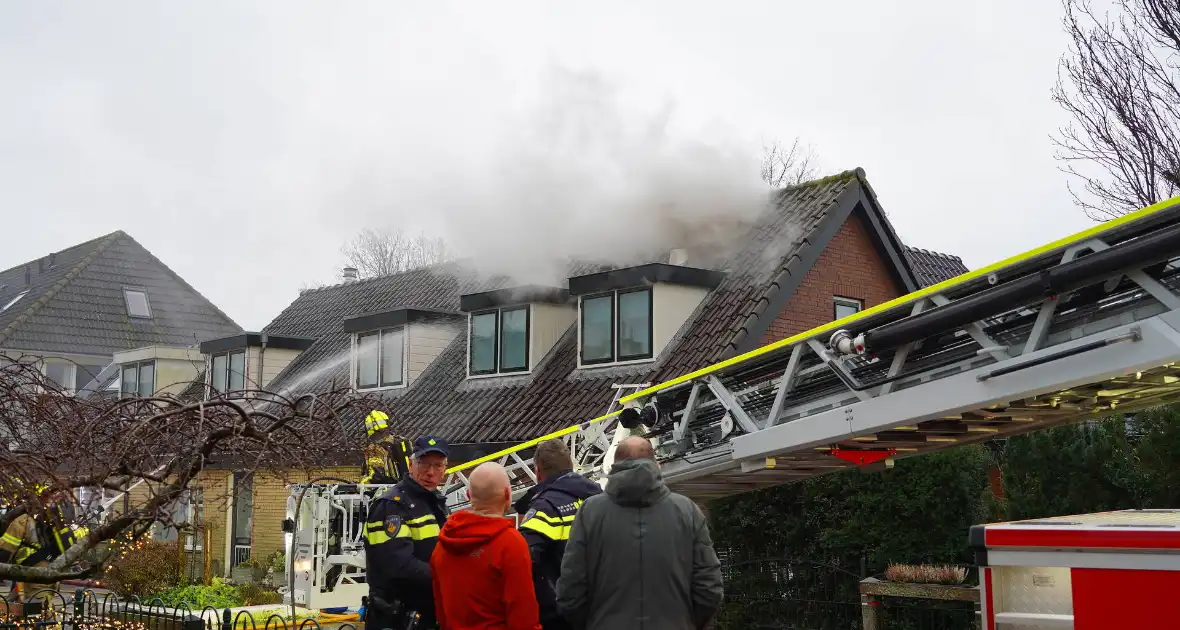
(1082, 327)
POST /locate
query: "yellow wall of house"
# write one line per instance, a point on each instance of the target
(270, 506)
(269, 509)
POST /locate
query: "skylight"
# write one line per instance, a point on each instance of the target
(14, 300)
(137, 303)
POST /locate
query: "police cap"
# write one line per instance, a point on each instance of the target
(431, 444)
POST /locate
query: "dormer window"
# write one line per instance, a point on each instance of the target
(499, 341)
(380, 358)
(227, 372)
(617, 326)
(629, 315)
(138, 379)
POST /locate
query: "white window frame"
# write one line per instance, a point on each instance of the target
(71, 374)
(147, 301)
(138, 366)
(228, 354)
(615, 323)
(192, 540)
(839, 300)
(499, 370)
(355, 370)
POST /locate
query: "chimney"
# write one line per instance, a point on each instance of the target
(678, 256)
(28, 275)
(53, 260)
(350, 274)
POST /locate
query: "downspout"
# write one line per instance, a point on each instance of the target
(261, 360)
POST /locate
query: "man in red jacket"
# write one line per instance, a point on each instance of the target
(481, 569)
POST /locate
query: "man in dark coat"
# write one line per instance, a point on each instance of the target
(640, 552)
(549, 510)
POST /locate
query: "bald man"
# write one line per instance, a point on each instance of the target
(481, 568)
(639, 555)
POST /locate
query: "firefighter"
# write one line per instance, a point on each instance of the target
(386, 456)
(549, 509)
(32, 543)
(400, 533)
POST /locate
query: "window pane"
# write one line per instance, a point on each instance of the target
(366, 360)
(130, 380)
(237, 371)
(635, 324)
(147, 379)
(60, 373)
(514, 332)
(391, 357)
(218, 377)
(83, 374)
(137, 304)
(483, 343)
(597, 325)
(846, 308)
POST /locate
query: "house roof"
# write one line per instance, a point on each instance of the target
(75, 302)
(934, 267)
(759, 275)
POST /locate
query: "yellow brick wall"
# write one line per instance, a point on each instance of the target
(269, 509)
(270, 506)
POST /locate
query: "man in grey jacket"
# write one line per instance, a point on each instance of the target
(639, 556)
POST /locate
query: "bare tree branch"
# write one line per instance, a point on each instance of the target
(381, 253)
(52, 445)
(784, 165)
(1121, 87)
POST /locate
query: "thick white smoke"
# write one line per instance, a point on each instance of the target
(578, 175)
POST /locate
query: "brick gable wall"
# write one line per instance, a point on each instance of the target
(848, 267)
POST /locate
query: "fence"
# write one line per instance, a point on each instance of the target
(794, 594)
(84, 610)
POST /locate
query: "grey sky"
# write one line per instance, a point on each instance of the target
(244, 142)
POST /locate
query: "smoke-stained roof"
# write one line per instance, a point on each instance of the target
(73, 302)
(557, 394)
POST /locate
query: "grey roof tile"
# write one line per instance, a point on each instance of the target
(933, 267)
(75, 302)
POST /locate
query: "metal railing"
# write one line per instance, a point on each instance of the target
(242, 553)
(83, 609)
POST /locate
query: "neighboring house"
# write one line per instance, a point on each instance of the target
(486, 363)
(77, 309)
(106, 318)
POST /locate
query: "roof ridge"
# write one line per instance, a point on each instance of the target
(56, 287)
(180, 279)
(61, 251)
(858, 173)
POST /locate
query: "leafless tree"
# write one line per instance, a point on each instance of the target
(787, 165)
(383, 252)
(1120, 84)
(153, 449)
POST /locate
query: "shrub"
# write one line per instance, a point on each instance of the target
(258, 595)
(218, 595)
(925, 574)
(142, 569)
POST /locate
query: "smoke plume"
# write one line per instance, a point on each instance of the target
(579, 176)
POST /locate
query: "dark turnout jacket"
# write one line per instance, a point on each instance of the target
(549, 510)
(639, 557)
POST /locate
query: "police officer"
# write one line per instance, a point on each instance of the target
(400, 533)
(549, 509)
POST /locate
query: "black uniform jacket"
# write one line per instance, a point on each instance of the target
(549, 509)
(400, 533)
